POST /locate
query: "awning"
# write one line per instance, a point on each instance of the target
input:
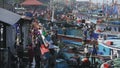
(31, 2)
(8, 17)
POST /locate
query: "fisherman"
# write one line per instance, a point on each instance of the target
(48, 36)
(37, 52)
(54, 37)
(84, 39)
(94, 54)
(91, 31)
(36, 41)
(86, 51)
(37, 57)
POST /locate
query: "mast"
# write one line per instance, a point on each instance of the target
(116, 2)
(103, 5)
(53, 13)
(113, 1)
(115, 9)
(97, 4)
(90, 7)
(90, 4)
(53, 9)
(106, 11)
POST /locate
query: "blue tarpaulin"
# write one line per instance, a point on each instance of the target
(115, 10)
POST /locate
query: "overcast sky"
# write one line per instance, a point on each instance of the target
(100, 1)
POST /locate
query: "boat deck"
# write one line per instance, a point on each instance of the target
(116, 44)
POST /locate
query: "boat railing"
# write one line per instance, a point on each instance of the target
(111, 47)
(109, 33)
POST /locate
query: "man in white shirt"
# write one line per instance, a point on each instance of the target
(86, 51)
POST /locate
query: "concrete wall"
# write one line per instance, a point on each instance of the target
(10, 38)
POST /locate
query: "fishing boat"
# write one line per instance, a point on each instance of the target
(108, 27)
(110, 47)
(112, 63)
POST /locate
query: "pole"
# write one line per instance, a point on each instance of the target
(53, 11)
(53, 14)
(111, 53)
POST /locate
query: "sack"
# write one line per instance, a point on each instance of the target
(44, 49)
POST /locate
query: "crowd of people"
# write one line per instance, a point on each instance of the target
(43, 42)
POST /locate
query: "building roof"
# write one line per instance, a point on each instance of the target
(31, 2)
(8, 17)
